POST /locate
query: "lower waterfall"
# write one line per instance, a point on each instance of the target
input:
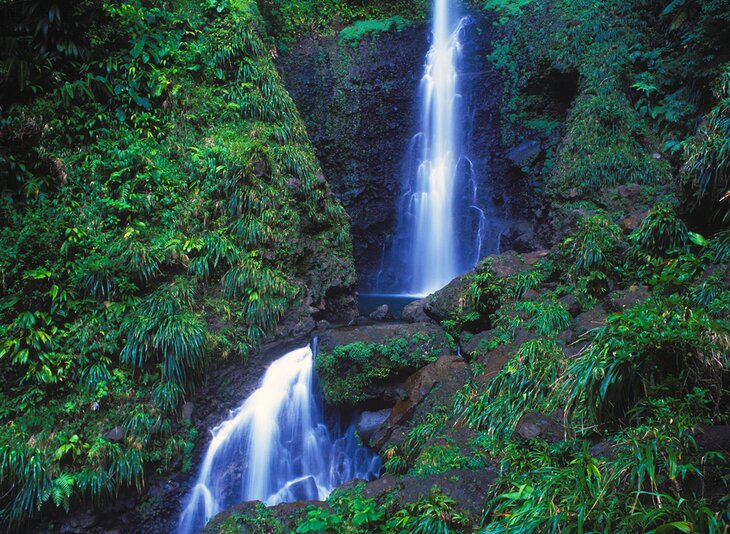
(276, 447)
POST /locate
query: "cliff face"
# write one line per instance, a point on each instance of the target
(359, 104)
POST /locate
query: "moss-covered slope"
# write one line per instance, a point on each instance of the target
(161, 209)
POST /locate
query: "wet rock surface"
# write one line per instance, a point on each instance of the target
(359, 104)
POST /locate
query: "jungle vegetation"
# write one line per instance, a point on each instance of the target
(162, 209)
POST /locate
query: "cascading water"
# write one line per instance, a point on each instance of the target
(434, 258)
(444, 224)
(276, 448)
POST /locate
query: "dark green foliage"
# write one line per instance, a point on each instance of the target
(643, 484)
(631, 355)
(149, 228)
(288, 19)
(525, 384)
(707, 169)
(355, 33)
(661, 232)
(349, 372)
(593, 247)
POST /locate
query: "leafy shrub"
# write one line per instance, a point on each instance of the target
(525, 384)
(630, 355)
(707, 169)
(593, 247)
(434, 514)
(354, 34)
(661, 232)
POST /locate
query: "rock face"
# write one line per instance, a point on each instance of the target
(380, 333)
(360, 108)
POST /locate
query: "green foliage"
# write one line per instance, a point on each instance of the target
(525, 384)
(707, 168)
(149, 228)
(661, 232)
(354, 34)
(629, 356)
(593, 247)
(288, 20)
(349, 371)
(643, 483)
(435, 514)
(263, 521)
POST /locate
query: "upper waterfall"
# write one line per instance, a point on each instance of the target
(442, 214)
(434, 253)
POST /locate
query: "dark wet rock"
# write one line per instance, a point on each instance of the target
(368, 422)
(572, 304)
(187, 411)
(634, 219)
(115, 435)
(524, 153)
(302, 489)
(446, 300)
(492, 362)
(630, 192)
(413, 312)
(323, 325)
(434, 384)
(381, 313)
(588, 320)
(474, 344)
(525, 242)
(466, 487)
(618, 301)
(603, 450)
(713, 438)
(451, 298)
(536, 425)
(304, 327)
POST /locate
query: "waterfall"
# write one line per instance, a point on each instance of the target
(434, 254)
(442, 220)
(276, 448)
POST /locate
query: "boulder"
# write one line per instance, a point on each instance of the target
(466, 486)
(446, 300)
(536, 425)
(187, 411)
(473, 345)
(434, 384)
(381, 313)
(588, 320)
(115, 435)
(304, 327)
(414, 312)
(619, 300)
(433, 337)
(524, 153)
(368, 422)
(571, 304)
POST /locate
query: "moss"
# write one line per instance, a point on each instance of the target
(354, 34)
(350, 373)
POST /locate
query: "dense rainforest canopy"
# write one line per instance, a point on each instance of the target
(162, 211)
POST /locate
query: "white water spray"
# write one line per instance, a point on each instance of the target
(276, 448)
(434, 251)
